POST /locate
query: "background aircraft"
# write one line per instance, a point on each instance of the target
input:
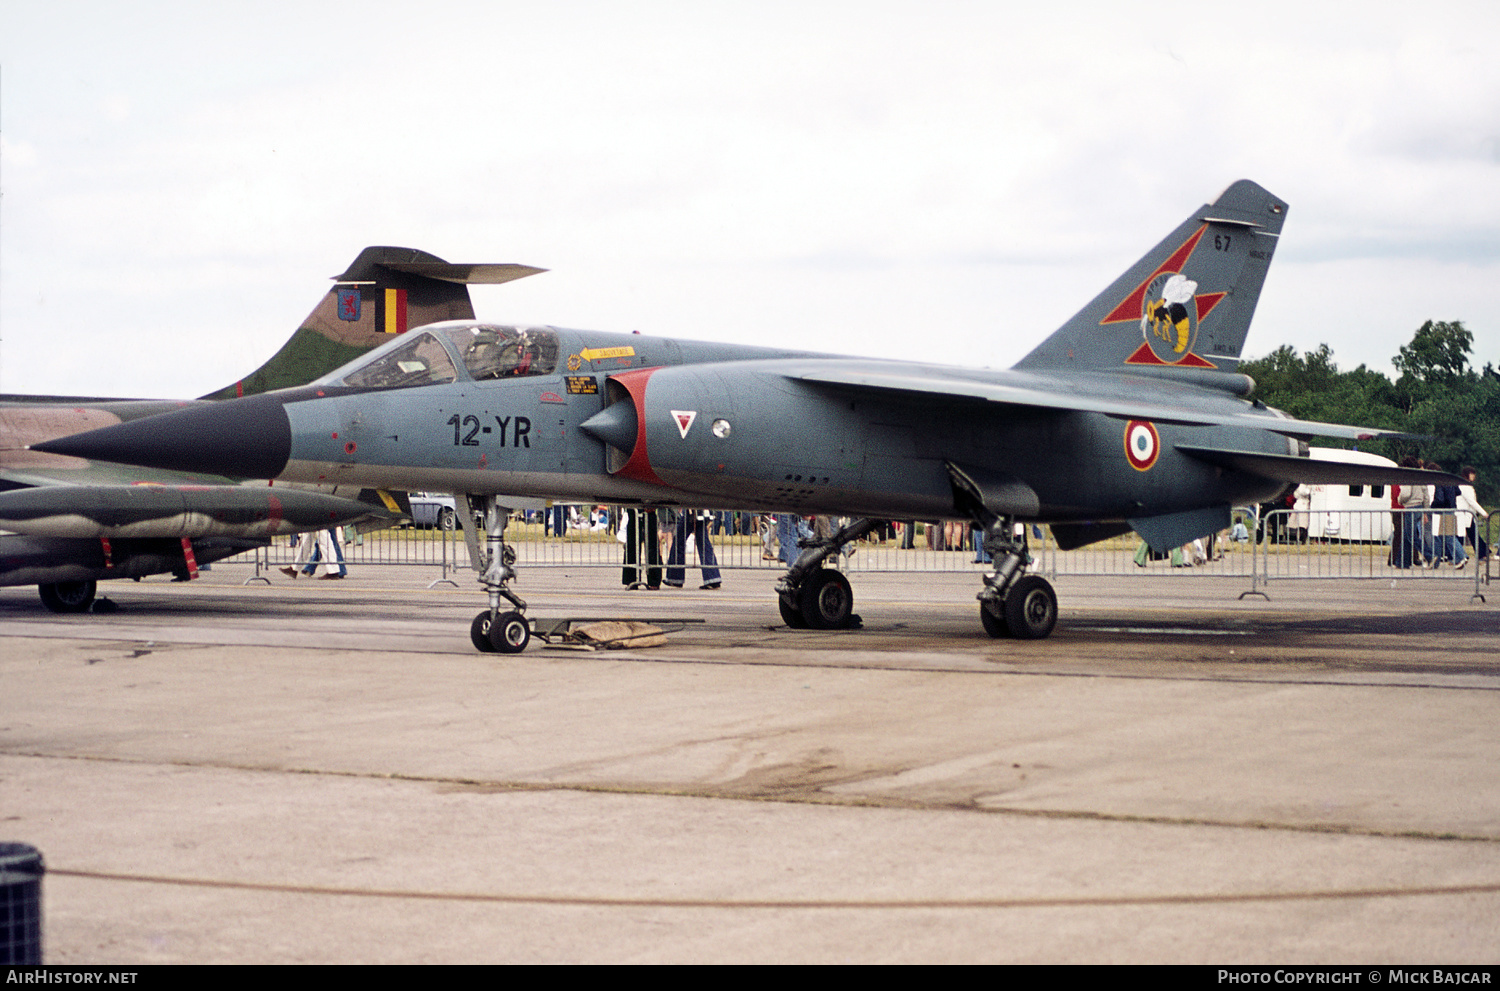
(1130, 417)
(77, 522)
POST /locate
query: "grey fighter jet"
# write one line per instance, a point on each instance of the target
(1132, 416)
(76, 522)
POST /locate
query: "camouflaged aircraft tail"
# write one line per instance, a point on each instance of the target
(386, 291)
(1186, 306)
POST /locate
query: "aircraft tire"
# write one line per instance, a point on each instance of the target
(791, 615)
(826, 599)
(1031, 608)
(994, 625)
(510, 633)
(66, 597)
(479, 633)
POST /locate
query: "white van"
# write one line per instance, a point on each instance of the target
(1359, 513)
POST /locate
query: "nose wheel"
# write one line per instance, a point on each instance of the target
(508, 633)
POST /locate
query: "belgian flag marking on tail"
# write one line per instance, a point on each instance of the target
(395, 311)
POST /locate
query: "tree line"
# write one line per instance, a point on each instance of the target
(1437, 394)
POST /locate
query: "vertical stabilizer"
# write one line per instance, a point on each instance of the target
(1187, 304)
(385, 291)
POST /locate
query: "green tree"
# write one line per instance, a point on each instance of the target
(1439, 351)
(1437, 396)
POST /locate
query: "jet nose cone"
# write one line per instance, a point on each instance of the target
(616, 425)
(241, 438)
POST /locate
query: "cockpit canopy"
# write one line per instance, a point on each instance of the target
(418, 361)
(490, 352)
(484, 351)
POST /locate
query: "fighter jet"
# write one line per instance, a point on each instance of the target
(1132, 416)
(77, 522)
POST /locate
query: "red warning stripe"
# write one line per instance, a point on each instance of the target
(190, 559)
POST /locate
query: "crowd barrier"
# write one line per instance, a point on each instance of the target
(1283, 545)
(1398, 546)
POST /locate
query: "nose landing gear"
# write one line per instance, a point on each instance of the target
(494, 630)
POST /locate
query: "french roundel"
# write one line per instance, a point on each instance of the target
(1141, 444)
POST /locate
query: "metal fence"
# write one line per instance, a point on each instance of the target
(1433, 545)
(1280, 546)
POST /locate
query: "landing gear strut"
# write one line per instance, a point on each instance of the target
(494, 630)
(813, 597)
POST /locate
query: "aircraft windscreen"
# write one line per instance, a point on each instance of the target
(422, 361)
(491, 352)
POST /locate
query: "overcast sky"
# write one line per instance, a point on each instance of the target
(944, 180)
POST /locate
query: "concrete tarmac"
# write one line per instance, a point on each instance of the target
(319, 771)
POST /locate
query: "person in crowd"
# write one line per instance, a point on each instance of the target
(692, 524)
(1471, 512)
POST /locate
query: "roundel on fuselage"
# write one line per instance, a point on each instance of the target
(1142, 444)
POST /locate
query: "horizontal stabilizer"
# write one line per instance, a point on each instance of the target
(1316, 471)
(468, 274)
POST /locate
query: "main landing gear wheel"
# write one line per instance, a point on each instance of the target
(826, 599)
(1030, 608)
(68, 596)
(818, 598)
(791, 615)
(994, 625)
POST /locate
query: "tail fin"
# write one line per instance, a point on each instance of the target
(385, 291)
(1187, 303)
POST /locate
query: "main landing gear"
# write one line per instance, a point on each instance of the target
(812, 597)
(496, 630)
(1013, 604)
